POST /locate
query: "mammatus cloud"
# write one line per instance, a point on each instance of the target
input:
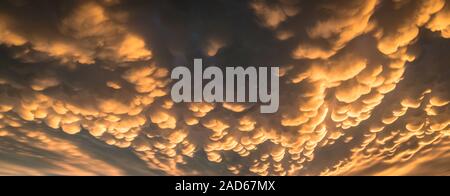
(363, 87)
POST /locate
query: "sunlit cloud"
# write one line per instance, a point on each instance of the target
(363, 88)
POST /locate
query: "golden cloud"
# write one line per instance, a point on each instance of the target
(364, 88)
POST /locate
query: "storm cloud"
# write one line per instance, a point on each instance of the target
(363, 87)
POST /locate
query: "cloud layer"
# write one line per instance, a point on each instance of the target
(363, 87)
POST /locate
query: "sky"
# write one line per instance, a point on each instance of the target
(85, 87)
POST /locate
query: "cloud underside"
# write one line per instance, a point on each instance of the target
(85, 88)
